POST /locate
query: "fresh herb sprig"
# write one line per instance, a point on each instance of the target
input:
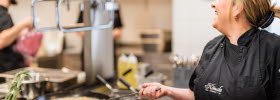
(15, 86)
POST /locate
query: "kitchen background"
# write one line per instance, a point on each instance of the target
(183, 27)
(190, 23)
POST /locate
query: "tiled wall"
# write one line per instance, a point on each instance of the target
(192, 26)
(144, 14)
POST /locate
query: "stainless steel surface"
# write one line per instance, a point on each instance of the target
(183, 69)
(98, 43)
(183, 61)
(107, 6)
(57, 79)
(36, 86)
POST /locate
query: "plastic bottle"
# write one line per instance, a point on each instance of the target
(132, 77)
(122, 67)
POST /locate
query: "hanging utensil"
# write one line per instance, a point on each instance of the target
(104, 82)
(110, 6)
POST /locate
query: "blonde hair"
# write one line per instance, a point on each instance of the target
(256, 11)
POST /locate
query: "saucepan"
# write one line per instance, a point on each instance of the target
(31, 87)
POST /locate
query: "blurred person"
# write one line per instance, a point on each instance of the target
(241, 64)
(9, 58)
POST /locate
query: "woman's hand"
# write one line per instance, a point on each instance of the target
(153, 90)
(156, 90)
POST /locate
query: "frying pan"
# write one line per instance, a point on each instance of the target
(73, 94)
(113, 90)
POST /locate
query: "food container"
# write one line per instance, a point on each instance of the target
(34, 87)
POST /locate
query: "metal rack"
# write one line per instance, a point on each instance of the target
(110, 6)
(98, 40)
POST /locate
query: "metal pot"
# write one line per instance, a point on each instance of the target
(34, 87)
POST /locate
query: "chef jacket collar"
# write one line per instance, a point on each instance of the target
(245, 38)
(3, 8)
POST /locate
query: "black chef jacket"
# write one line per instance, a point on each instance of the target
(9, 59)
(249, 71)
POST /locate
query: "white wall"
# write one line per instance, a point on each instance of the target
(192, 26)
(144, 14)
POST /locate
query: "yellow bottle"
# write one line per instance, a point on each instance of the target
(122, 67)
(132, 77)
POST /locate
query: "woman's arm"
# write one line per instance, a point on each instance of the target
(150, 91)
(8, 36)
(181, 94)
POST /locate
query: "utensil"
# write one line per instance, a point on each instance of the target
(113, 91)
(126, 72)
(104, 82)
(128, 85)
(117, 94)
(149, 73)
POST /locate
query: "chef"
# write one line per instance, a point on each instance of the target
(9, 58)
(241, 64)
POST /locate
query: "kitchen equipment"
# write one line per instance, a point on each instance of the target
(183, 68)
(108, 6)
(118, 94)
(34, 87)
(104, 82)
(98, 44)
(128, 85)
(149, 73)
(98, 47)
(30, 87)
(57, 79)
(114, 92)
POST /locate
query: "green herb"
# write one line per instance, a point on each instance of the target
(16, 84)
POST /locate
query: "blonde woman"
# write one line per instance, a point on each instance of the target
(241, 64)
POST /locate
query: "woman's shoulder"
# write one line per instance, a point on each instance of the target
(269, 39)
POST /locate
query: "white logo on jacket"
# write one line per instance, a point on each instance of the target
(212, 88)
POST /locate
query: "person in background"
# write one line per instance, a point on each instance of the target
(241, 64)
(9, 58)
